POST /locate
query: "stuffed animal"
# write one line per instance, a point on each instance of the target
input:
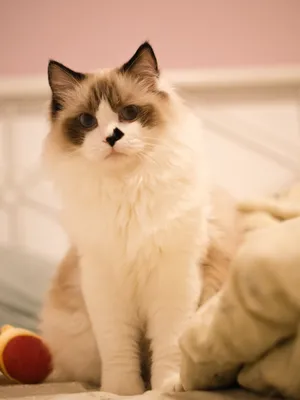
(24, 357)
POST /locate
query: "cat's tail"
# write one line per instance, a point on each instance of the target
(282, 210)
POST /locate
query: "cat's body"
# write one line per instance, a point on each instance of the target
(66, 324)
(125, 156)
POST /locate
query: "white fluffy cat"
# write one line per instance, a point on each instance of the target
(125, 154)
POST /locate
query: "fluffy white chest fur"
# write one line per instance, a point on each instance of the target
(138, 220)
(140, 239)
(133, 227)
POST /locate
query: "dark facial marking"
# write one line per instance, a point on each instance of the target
(107, 90)
(74, 131)
(141, 69)
(76, 128)
(149, 116)
(104, 90)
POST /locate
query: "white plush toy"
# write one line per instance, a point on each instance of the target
(249, 332)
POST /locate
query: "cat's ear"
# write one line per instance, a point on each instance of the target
(62, 78)
(61, 81)
(143, 63)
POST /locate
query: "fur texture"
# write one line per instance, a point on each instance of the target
(126, 158)
(66, 324)
(225, 233)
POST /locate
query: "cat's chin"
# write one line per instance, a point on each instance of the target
(114, 155)
(116, 161)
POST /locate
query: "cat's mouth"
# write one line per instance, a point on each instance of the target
(115, 154)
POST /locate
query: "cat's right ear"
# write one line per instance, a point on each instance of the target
(62, 78)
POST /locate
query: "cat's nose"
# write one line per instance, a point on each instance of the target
(112, 139)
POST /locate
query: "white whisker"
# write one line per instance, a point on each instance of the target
(157, 141)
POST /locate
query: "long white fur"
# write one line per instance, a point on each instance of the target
(141, 229)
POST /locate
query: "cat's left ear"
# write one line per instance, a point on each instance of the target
(143, 64)
(61, 80)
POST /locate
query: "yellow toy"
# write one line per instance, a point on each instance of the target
(24, 357)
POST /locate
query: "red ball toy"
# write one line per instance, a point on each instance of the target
(24, 357)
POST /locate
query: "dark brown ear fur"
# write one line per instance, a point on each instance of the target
(61, 79)
(143, 64)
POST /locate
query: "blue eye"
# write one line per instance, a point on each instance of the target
(129, 113)
(87, 120)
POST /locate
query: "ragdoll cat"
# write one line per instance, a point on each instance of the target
(125, 155)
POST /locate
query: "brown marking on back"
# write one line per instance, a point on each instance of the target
(225, 238)
(65, 292)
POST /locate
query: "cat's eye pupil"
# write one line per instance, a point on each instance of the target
(87, 120)
(129, 113)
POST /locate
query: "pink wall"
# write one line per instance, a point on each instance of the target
(186, 33)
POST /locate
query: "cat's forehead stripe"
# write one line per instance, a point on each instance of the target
(104, 89)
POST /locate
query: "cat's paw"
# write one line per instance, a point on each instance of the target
(172, 384)
(123, 384)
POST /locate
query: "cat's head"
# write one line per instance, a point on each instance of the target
(113, 117)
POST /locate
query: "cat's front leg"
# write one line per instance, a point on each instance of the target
(115, 327)
(176, 288)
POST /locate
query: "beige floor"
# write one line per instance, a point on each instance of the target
(76, 391)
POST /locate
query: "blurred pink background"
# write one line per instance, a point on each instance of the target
(87, 34)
